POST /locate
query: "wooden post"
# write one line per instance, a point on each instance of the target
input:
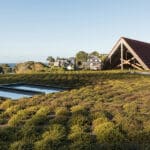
(121, 56)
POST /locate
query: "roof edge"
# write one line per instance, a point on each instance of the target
(126, 38)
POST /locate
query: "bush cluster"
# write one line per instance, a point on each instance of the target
(104, 110)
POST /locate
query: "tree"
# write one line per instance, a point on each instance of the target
(81, 56)
(50, 59)
(103, 56)
(95, 53)
(1, 70)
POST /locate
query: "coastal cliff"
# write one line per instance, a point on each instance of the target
(30, 66)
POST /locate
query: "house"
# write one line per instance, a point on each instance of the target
(129, 53)
(71, 63)
(72, 60)
(67, 63)
(94, 63)
(69, 67)
(56, 64)
(60, 62)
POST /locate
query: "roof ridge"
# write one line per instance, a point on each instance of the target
(125, 38)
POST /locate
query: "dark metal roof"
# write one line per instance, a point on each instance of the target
(142, 49)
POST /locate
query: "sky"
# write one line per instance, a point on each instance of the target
(36, 29)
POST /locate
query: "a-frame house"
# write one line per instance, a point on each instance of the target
(128, 53)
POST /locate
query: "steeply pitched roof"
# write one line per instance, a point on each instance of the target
(142, 49)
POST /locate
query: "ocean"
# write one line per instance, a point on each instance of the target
(12, 65)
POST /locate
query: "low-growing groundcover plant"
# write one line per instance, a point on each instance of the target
(107, 110)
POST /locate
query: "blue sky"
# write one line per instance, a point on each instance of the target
(35, 29)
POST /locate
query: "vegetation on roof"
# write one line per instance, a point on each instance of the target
(104, 110)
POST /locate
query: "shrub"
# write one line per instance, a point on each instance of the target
(97, 114)
(7, 136)
(44, 144)
(99, 121)
(21, 116)
(142, 137)
(3, 118)
(147, 126)
(101, 97)
(59, 120)
(12, 110)
(34, 126)
(131, 126)
(107, 132)
(79, 109)
(4, 145)
(61, 111)
(56, 132)
(6, 104)
(44, 110)
(131, 108)
(40, 117)
(79, 120)
(31, 132)
(52, 138)
(21, 145)
(80, 139)
(76, 129)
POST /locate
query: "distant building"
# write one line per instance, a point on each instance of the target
(56, 64)
(69, 67)
(71, 63)
(72, 60)
(50, 64)
(94, 63)
(67, 63)
(60, 62)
